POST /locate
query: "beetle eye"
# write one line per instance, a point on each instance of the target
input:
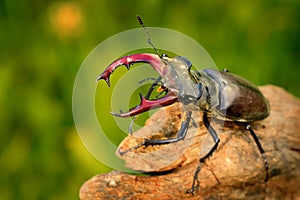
(164, 55)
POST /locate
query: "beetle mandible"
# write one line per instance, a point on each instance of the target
(218, 94)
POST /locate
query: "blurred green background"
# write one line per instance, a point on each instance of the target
(43, 44)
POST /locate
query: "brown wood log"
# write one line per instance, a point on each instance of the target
(235, 171)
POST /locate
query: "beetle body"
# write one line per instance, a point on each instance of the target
(225, 95)
(216, 93)
(231, 97)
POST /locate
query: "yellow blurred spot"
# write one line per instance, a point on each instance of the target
(160, 89)
(66, 19)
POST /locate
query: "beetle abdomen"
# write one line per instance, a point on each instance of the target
(239, 99)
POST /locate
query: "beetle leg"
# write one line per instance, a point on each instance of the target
(194, 123)
(152, 87)
(130, 128)
(180, 136)
(260, 148)
(146, 79)
(202, 160)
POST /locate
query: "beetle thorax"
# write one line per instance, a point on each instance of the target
(209, 99)
(178, 78)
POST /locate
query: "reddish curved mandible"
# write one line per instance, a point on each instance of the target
(157, 63)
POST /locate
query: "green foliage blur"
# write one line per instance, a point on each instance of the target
(43, 44)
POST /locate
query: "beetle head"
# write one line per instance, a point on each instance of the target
(182, 85)
(178, 78)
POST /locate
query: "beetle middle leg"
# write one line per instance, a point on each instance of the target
(180, 136)
(202, 160)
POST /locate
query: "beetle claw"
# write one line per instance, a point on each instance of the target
(156, 62)
(153, 59)
(146, 105)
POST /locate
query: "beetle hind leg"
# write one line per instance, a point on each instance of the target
(260, 148)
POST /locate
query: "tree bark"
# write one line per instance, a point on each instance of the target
(236, 170)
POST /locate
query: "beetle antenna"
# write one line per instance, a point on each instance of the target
(148, 35)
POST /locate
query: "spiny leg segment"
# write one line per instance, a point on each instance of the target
(180, 136)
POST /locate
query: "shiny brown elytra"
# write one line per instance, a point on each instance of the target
(239, 99)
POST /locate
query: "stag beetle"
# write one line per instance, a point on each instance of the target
(217, 94)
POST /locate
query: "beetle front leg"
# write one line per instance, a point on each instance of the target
(152, 87)
(180, 136)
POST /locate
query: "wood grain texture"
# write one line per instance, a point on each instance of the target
(235, 171)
